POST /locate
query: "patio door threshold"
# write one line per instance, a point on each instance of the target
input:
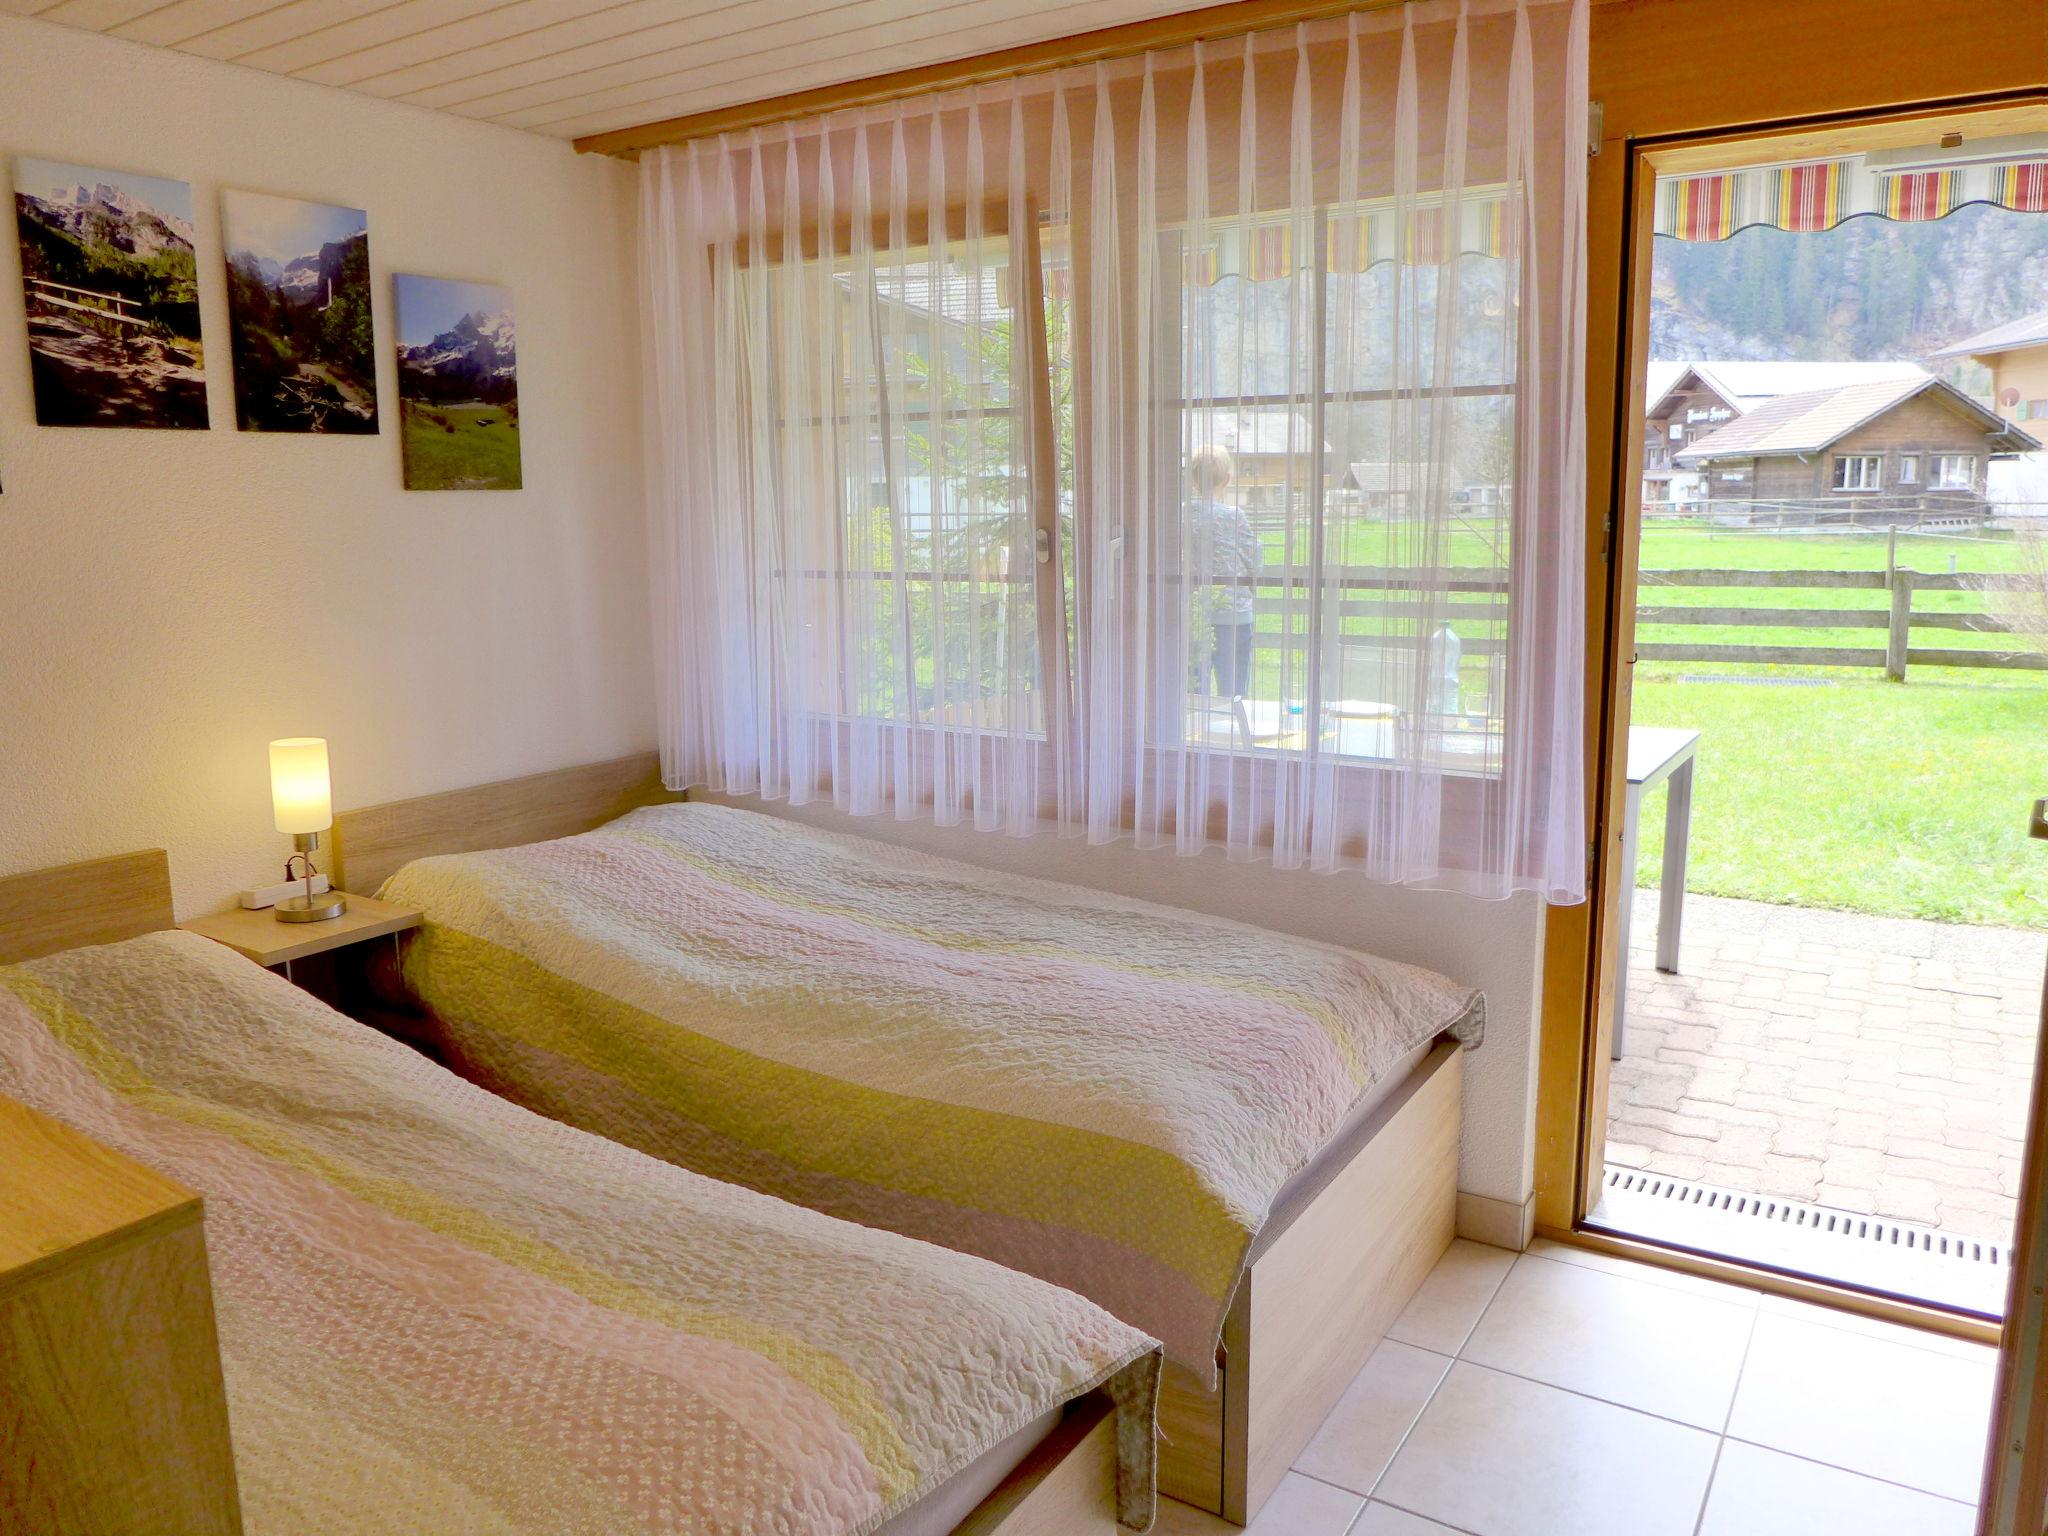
(1894, 1259)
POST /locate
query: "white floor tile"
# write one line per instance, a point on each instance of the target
(1385, 1520)
(1443, 1311)
(1664, 1351)
(1898, 1333)
(1872, 1405)
(1366, 1427)
(1764, 1493)
(1301, 1506)
(1500, 1456)
(1653, 1274)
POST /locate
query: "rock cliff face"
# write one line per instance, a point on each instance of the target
(477, 347)
(1869, 289)
(313, 276)
(109, 216)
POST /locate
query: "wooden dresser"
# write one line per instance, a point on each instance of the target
(112, 1417)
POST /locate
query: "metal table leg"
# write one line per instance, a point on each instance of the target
(1671, 900)
(1631, 815)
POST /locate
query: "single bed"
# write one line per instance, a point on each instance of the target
(440, 1312)
(1241, 1142)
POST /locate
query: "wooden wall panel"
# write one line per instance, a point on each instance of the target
(113, 1419)
(99, 901)
(369, 845)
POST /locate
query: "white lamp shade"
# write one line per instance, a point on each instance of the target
(300, 795)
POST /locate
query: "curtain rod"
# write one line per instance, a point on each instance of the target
(1129, 39)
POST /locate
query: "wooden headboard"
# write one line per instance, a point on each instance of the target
(369, 845)
(100, 901)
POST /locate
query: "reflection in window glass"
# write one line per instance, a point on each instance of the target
(1336, 477)
(933, 508)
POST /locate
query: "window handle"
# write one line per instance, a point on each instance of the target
(1041, 546)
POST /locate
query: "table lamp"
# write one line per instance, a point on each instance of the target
(303, 803)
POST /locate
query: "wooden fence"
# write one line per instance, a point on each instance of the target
(84, 303)
(1897, 619)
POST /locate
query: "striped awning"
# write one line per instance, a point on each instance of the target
(1423, 235)
(1820, 194)
(1281, 247)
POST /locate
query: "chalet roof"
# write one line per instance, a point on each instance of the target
(1256, 429)
(1746, 385)
(2027, 331)
(1381, 475)
(1815, 419)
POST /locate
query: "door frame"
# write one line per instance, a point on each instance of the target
(1745, 72)
(2014, 1497)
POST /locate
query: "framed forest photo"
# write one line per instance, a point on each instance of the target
(458, 385)
(299, 311)
(111, 293)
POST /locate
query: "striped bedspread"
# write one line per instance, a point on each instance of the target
(1100, 1092)
(442, 1314)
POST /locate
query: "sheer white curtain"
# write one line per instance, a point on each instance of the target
(1185, 447)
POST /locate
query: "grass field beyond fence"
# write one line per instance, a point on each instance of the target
(463, 446)
(1901, 799)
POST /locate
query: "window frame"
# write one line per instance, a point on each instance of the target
(1939, 480)
(1163, 734)
(1909, 469)
(1871, 479)
(1028, 296)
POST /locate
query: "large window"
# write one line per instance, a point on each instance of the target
(1187, 447)
(1858, 471)
(1346, 510)
(1955, 472)
(937, 512)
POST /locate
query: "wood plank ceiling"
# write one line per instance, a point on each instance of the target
(572, 67)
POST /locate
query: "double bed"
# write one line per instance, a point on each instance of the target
(1243, 1143)
(439, 1311)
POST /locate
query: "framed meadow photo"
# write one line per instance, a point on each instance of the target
(299, 314)
(458, 385)
(111, 293)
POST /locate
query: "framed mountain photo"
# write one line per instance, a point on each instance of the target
(111, 293)
(299, 310)
(458, 386)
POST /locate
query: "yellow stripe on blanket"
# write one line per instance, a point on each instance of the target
(850, 1397)
(996, 1163)
(1341, 1038)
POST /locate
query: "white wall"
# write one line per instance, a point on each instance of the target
(148, 579)
(170, 601)
(1493, 945)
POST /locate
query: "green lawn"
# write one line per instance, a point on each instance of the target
(468, 446)
(1908, 800)
(1903, 799)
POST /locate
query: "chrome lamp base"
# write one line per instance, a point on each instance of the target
(311, 909)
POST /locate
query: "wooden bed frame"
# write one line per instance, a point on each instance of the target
(1315, 1303)
(107, 1247)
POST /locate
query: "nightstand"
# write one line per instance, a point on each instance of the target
(272, 944)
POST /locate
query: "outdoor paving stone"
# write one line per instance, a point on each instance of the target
(1873, 1064)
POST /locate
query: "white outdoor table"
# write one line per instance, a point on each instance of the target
(1655, 753)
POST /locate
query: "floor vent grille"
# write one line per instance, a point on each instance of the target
(1896, 1256)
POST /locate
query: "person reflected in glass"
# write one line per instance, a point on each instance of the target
(1226, 550)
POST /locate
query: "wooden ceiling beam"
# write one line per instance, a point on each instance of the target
(1178, 30)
